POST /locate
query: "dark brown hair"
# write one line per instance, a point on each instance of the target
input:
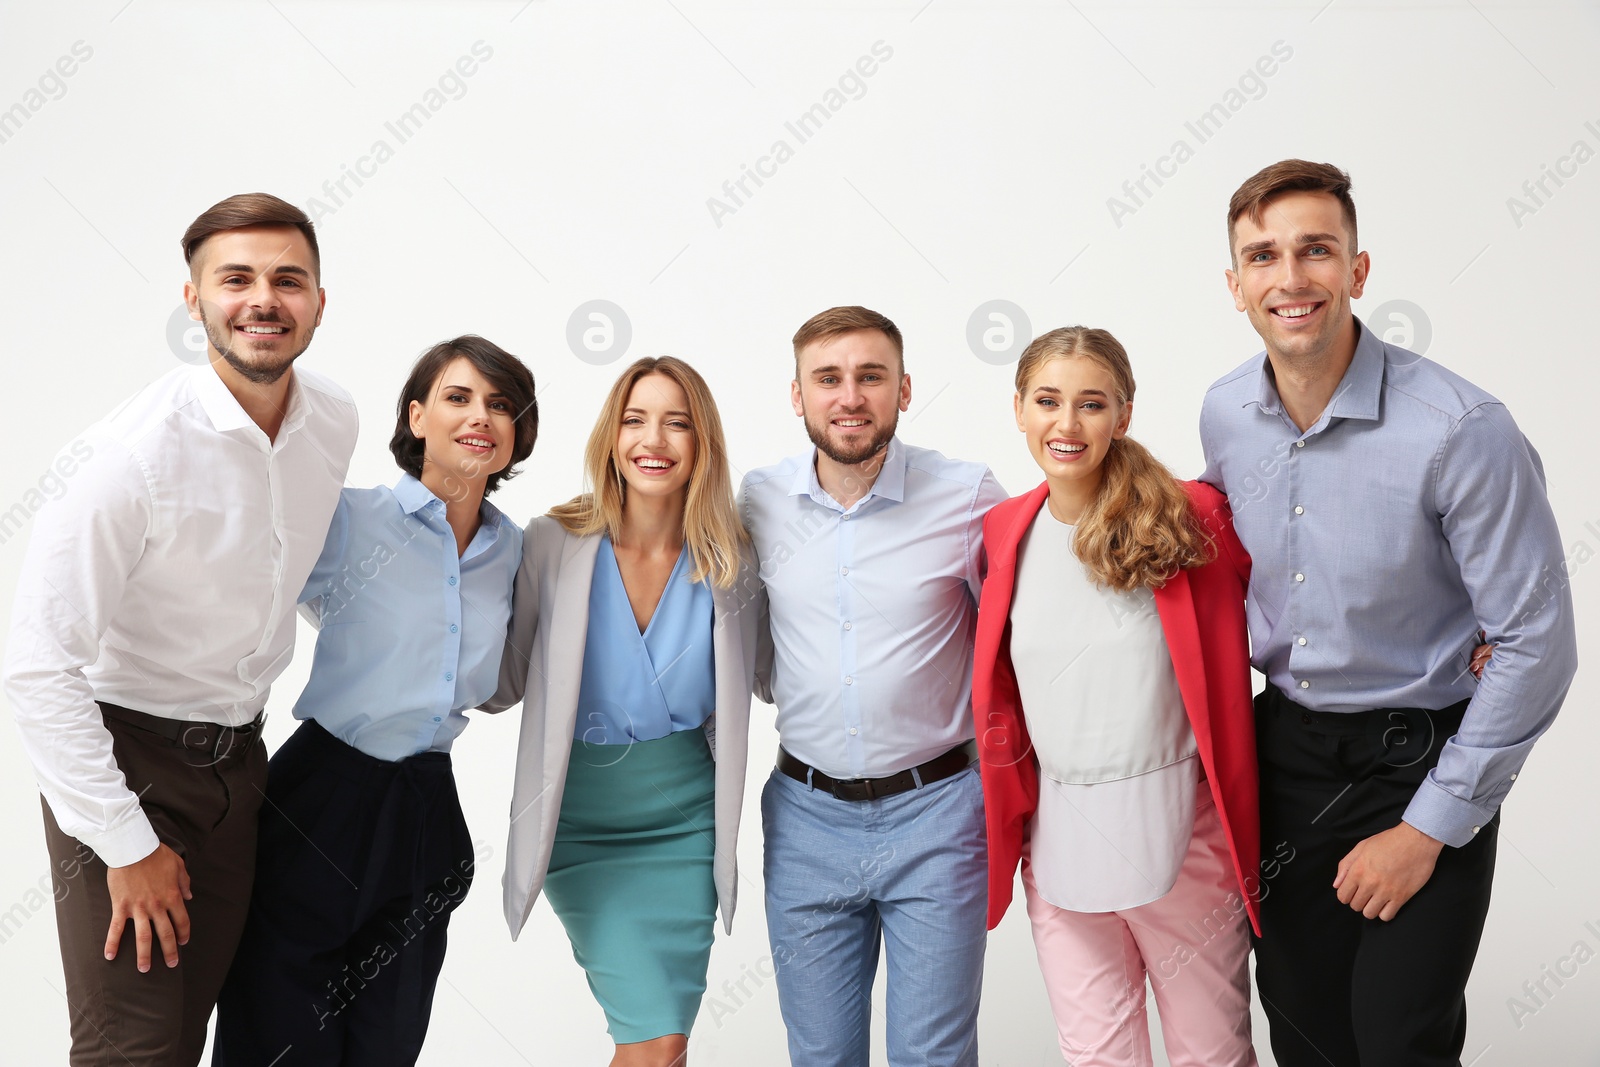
(1291, 176)
(500, 368)
(826, 325)
(249, 209)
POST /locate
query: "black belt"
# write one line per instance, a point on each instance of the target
(217, 738)
(937, 769)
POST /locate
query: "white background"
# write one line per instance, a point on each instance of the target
(576, 164)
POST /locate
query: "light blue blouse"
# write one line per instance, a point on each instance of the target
(410, 633)
(640, 687)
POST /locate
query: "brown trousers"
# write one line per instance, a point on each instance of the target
(201, 785)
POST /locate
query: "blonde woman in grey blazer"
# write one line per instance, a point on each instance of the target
(615, 782)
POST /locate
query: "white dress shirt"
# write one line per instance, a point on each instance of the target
(1118, 763)
(165, 580)
(872, 609)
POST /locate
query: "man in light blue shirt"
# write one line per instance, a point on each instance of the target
(870, 554)
(1392, 511)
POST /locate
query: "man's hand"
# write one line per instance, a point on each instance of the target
(150, 893)
(1383, 872)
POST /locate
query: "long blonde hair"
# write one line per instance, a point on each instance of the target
(711, 527)
(1139, 530)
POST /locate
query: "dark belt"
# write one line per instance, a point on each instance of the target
(214, 737)
(937, 769)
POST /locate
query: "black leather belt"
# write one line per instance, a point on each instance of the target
(216, 738)
(937, 769)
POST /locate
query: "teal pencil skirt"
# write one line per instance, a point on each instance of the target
(631, 878)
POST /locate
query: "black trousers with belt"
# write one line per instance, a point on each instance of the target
(359, 865)
(1340, 989)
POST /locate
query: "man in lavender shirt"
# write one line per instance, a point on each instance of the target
(1392, 510)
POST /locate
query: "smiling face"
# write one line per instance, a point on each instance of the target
(1070, 412)
(656, 442)
(850, 391)
(1295, 274)
(255, 289)
(468, 429)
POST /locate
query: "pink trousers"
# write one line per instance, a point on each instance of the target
(1194, 946)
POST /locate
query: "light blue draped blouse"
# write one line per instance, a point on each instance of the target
(643, 686)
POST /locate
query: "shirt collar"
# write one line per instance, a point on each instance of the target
(1360, 390)
(413, 496)
(225, 412)
(890, 483)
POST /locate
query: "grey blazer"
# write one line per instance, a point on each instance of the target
(543, 665)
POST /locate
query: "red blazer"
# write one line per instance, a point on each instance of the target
(1202, 616)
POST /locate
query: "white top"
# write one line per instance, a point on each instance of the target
(164, 579)
(872, 610)
(1117, 758)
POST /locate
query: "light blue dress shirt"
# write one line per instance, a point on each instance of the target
(1411, 515)
(643, 686)
(872, 609)
(410, 634)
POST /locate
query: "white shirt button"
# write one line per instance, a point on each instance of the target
(847, 625)
(1475, 829)
(1298, 510)
(1302, 640)
(1305, 685)
(844, 570)
(1299, 577)
(1513, 777)
(849, 680)
(852, 731)
(1299, 444)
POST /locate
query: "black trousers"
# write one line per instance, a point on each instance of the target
(360, 863)
(1340, 989)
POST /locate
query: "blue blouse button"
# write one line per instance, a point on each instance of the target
(449, 676)
(452, 579)
(452, 627)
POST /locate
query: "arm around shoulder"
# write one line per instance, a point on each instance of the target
(516, 660)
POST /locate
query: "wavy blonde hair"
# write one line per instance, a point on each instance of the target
(711, 527)
(1139, 531)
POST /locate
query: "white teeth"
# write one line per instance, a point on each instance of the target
(1067, 449)
(476, 442)
(265, 329)
(851, 422)
(653, 464)
(1294, 313)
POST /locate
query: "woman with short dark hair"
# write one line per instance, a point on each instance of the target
(363, 852)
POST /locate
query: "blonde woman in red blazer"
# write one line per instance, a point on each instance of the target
(1121, 592)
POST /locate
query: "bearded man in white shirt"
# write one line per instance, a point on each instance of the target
(155, 608)
(871, 558)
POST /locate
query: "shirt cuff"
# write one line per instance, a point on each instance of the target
(1444, 816)
(125, 844)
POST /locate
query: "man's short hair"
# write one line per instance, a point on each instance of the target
(249, 209)
(1291, 176)
(835, 322)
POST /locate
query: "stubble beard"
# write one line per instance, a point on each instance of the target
(223, 339)
(850, 457)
